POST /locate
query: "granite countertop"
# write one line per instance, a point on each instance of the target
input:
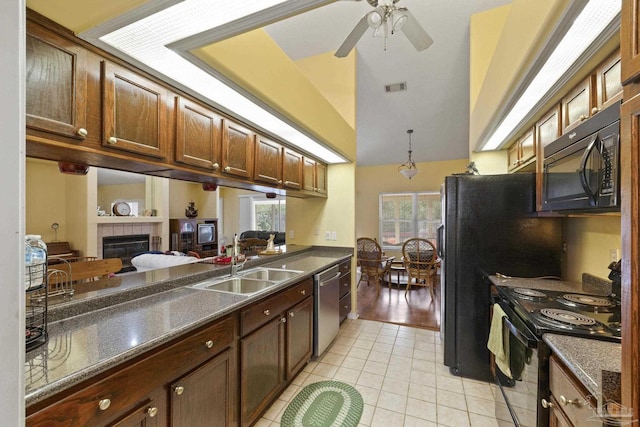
(83, 343)
(587, 359)
(541, 284)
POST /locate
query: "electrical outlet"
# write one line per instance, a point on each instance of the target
(292, 234)
(327, 235)
(333, 235)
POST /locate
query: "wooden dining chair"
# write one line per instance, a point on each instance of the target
(421, 263)
(371, 261)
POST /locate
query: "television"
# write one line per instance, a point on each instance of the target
(206, 234)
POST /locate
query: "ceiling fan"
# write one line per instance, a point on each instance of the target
(386, 19)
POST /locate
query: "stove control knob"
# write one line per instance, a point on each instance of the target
(566, 401)
(546, 404)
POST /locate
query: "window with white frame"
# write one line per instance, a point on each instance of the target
(259, 213)
(406, 215)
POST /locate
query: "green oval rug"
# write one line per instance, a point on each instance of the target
(324, 404)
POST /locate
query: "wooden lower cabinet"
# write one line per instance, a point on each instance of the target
(272, 354)
(206, 397)
(571, 403)
(557, 418)
(137, 393)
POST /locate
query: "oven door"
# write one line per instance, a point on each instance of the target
(529, 359)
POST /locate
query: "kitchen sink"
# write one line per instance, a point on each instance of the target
(271, 274)
(235, 285)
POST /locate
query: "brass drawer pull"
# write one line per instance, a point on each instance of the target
(178, 390)
(291, 314)
(209, 344)
(104, 404)
(303, 292)
(566, 401)
(112, 140)
(267, 312)
(152, 412)
(227, 169)
(82, 132)
(216, 166)
(283, 320)
(546, 404)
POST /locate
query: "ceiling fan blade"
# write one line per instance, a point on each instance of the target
(415, 33)
(353, 37)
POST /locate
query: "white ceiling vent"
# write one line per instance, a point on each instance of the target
(395, 87)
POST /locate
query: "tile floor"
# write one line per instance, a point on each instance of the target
(398, 371)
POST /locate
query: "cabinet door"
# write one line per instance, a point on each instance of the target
(513, 156)
(321, 178)
(150, 413)
(292, 169)
(630, 40)
(557, 418)
(608, 85)
(56, 83)
(237, 150)
(527, 146)
(309, 175)
(207, 396)
(299, 336)
(576, 106)
(262, 368)
(134, 112)
(198, 135)
(268, 164)
(548, 128)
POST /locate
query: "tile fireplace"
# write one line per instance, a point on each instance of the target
(125, 248)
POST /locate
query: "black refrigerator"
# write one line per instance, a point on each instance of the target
(489, 226)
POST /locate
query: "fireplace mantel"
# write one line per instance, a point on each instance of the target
(128, 219)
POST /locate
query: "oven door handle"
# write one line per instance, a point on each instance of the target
(583, 170)
(524, 338)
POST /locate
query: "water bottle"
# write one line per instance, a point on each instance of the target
(35, 261)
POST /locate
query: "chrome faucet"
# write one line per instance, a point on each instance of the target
(234, 257)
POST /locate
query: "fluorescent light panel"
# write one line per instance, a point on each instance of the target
(593, 19)
(145, 41)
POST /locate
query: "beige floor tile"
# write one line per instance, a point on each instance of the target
(426, 366)
(325, 370)
(421, 409)
(481, 406)
(289, 393)
(379, 347)
(398, 360)
(369, 395)
(402, 351)
(375, 367)
(371, 380)
(451, 399)
(399, 372)
(404, 342)
(380, 357)
(392, 401)
(339, 349)
(393, 385)
(410, 421)
(367, 336)
(423, 378)
(424, 355)
(313, 378)
(363, 343)
(482, 421)
(310, 366)
(299, 379)
(333, 359)
(367, 415)
(477, 389)
(347, 375)
(386, 339)
(273, 412)
(450, 383)
(359, 353)
(353, 363)
(344, 340)
(422, 392)
(425, 346)
(263, 422)
(452, 417)
(387, 418)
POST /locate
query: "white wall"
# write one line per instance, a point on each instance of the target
(12, 166)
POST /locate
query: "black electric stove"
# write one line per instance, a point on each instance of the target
(576, 314)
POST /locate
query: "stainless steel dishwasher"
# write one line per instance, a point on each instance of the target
(327, 309)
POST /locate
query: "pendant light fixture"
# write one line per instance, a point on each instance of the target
(409, 169)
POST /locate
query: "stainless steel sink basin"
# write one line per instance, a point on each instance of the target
(271, 274)
(235, 285)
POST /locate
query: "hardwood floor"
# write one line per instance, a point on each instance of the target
(390, 305)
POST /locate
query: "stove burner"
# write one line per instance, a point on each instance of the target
(589, 300)
(568, 317)
(529, 293)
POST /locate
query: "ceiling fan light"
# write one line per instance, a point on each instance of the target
(375, 18)
(398, 18)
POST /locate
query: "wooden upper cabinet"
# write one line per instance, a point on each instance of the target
(292, 169)
(608, 84)
(548, 128)
(314, 176)
(56, 83)
(630, 40)
(198, 135)
(576, 106)
(268, 164)
(321, 178)
(237, 149)
(522, 152)
(134, 112)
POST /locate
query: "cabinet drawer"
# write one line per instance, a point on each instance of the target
(345, 306)
(571, 396)
(131, 385)
(267, 309)
(345, 267)
(345, 284)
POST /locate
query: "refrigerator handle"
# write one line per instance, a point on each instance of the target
(440, 240)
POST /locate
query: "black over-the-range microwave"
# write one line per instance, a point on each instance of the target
(581, 169)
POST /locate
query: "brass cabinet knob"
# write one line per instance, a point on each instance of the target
(178, 390)
(267, 312)
(546, 404)
(209, 344)
(216, 166)
(291, 314)
(595, 110)
(82, 132)
(104, 404)
(152, 412)
(566, 401)
(279, 181)
(227, 169)
(303, 292)
(112, 140)
(283, 320)
(346, 306)
(583, 117)
(286, 183)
